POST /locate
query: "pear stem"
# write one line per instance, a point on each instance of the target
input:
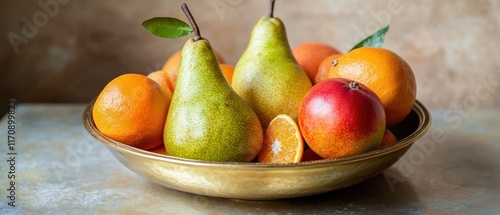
(194, 26)
(271, 8)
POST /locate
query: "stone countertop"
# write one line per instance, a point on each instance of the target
(61, 169)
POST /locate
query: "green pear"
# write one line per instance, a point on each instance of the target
(267, 76)
(207, 120)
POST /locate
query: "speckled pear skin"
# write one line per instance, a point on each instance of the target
(207, 120)
(267, 76)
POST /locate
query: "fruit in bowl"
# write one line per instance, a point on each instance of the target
(340, 117)
(216, 112)
(207, 120)
(267, 76)
(132, 109)
(310, 56)
(239, 132)
(171, 68)
(264, 181)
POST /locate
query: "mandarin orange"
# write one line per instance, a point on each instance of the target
(388, 139)
(132, 109)
(161, 79)
(309, 56)
(228, 72)
(324, 67)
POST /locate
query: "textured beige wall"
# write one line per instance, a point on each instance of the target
(452, 46)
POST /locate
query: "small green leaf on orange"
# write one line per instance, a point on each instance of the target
(374, 40)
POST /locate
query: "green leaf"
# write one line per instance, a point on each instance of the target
(167, 27)
(374, 40)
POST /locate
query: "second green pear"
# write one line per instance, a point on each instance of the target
(267, 76)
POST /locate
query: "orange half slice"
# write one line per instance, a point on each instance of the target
(283, 142)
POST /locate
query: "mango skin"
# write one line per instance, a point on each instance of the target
(207, 120)
(267, 76)
(337, 121)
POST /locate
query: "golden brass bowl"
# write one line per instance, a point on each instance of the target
(256, 181)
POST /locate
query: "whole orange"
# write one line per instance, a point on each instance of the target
(161, 79)
(324, 67)
(309, 56)
(171, 67)
(159, 150)
(173, 62)
(388, 139)
(132, 109)
(385, 73)
(228, 72)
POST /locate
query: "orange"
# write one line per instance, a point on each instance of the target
(171, 80)
(385, 73)
(132, 109)
(161, 79)
(310, 55)
(283, 142)
(159, 150)
(310, 155)
(324, 67)
(388, 139)
(171, 67)
(228, 72)
(173, 62)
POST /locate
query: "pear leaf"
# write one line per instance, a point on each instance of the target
(374, 40)
(167, 27)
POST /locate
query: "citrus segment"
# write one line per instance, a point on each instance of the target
(283, 142)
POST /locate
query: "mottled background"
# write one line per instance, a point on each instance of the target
(76, 47)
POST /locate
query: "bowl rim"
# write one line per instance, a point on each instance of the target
(423, 126)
